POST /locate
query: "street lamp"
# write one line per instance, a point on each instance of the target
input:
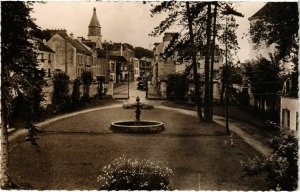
(128, 78)
(226, 80)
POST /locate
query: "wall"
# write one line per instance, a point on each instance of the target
(165, 69)
(48, 91)
(291, 104)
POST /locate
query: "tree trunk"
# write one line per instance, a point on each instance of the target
(5, 180)
(212, 63)
(194, 64)
(207, 57)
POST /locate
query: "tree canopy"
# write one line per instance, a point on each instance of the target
(278, 23)
(140, 52)
(20, 76)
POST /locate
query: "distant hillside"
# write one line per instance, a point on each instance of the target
(140, 52)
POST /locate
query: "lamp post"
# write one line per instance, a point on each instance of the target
(128, 78)
(226, 80)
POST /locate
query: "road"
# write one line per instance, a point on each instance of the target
(121, 91)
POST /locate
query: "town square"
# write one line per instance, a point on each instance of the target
(166, 95)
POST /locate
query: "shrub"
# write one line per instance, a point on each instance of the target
(60, 89)
(75, 97)
(177, 86)
(281, 166)
(133, 105)
(87, 79)
(127, 174)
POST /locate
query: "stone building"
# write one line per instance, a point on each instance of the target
(71, 57)
(162, 68)
(136, 66)
(45, 58)
(145, 67)
(123, 56)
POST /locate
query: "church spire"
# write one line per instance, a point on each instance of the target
(95, 29)
(94, 21)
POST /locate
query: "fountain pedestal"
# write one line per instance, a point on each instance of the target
(137, 126)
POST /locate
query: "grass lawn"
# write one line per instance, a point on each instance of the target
(252, 125)
(74, 150)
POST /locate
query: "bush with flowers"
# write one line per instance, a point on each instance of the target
(281, 167)
(128, 174)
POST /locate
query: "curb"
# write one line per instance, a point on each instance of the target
(40, 125)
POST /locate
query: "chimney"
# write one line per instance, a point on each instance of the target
(71, 35)
(121, 49)
(168, 36)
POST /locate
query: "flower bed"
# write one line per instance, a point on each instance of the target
(128, 174)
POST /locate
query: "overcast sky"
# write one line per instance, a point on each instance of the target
(126, 22)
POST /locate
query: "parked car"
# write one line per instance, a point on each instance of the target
(142, 84)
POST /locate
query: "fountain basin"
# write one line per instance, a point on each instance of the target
(137, 126)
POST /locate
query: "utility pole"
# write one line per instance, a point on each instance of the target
(226, 80)
(128, 78)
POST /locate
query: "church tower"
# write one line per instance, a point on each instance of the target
(95, 30)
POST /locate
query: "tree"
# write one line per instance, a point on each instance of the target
(234, 77)
(20, 76)
(184, 44)
(75, 97)
(281, 167)
(279, 25)
(194, 18)
(60, 89)
(140, 52)
(87, 79)
(264, 85)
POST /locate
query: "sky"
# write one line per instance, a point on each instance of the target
(126, 22)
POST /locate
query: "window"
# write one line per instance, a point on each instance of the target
(49, 72)
(49, 58)
(286, 118)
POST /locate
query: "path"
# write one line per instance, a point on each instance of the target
(234, 127)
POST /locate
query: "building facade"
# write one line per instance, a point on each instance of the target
(45, 58)
(71, 57)
(162, 68)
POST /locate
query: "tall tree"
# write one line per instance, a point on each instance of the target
(20, 76)
(183, 43)
(194, 18)
(279, 24)
(207, 115)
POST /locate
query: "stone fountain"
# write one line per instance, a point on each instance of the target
(137, 126)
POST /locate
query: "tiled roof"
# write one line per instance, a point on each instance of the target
(264, 11)
(43, 47)
(75, 43)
